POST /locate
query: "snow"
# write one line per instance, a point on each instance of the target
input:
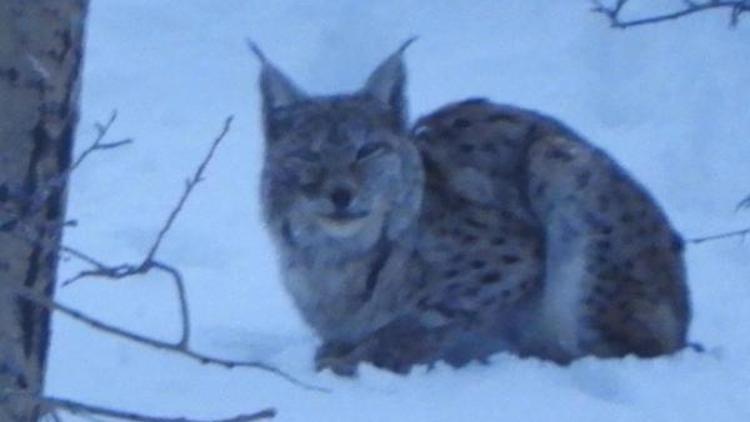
(668, 101)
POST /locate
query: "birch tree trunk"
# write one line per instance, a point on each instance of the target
(41, 50)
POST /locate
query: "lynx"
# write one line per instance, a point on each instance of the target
(484, 228)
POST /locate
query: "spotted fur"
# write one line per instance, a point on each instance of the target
(596, 267)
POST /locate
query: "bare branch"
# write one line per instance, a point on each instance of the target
(81, 408)
(178, 348)
(149, 263)
(744, 204)
(98, 144)
(21, 204)
(52, 405)
(181, 297)
(189, 186)
(122, 271)
(613, 12)
(82, 256)
(27, 206)
(742, 234)
(118, 272)
(59, 181)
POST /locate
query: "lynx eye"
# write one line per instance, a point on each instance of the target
(371, 150)
(303, 166)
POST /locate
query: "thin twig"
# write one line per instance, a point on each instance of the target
(117, 272)
(744, 204)
(149, 263)
(60, 180)
(52, 405)
(98, 144)
(181, 297)
(613, 13)
(742, 234)
(82, 256)
(189, 186)
(726, 235)
(82, 408)
(127, 270)
(178, 348)
(27, 204)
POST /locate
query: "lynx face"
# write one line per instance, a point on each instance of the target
(339, 170)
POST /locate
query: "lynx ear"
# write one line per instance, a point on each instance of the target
(387, 84)
(275, 87)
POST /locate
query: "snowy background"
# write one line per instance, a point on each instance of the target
(670, 102)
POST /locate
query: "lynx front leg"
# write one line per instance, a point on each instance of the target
(396, 347)
(615, 281)
(338, 357)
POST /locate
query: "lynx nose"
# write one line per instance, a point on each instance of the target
(341, 198)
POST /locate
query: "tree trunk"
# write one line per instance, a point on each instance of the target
(41, 50)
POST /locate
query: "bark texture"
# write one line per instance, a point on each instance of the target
(41, 50)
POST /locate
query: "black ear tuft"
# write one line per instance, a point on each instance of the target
(387, 84)
(277, 90)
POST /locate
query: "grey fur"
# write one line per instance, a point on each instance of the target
(488, 228)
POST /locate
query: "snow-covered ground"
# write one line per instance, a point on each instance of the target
(669, 101)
